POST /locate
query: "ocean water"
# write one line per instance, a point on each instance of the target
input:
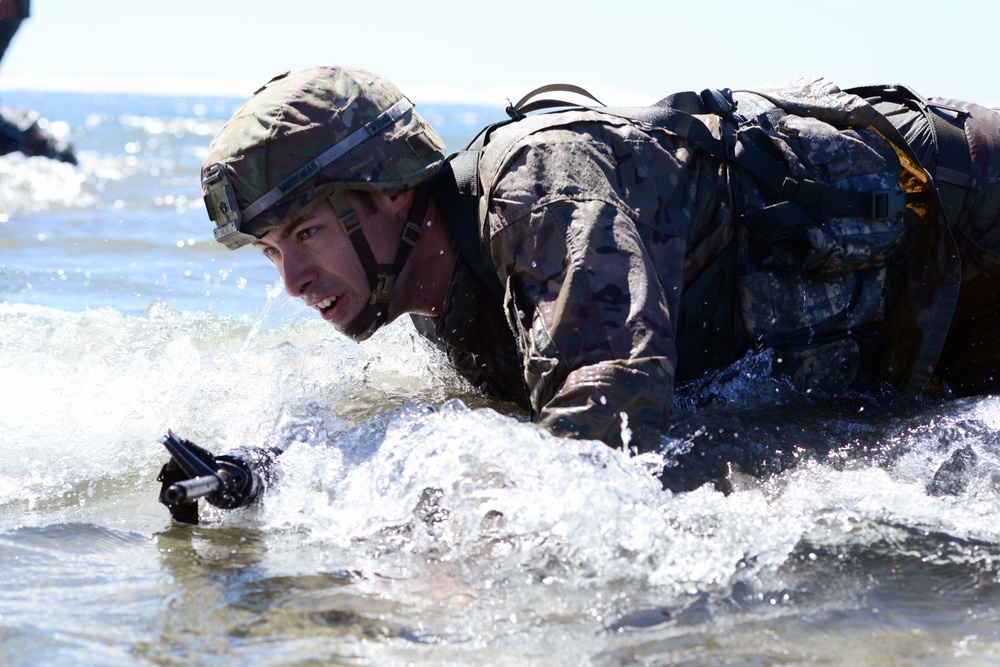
(411, 521)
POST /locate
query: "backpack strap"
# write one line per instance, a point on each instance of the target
(707, 331)
(676, 113)
(775, 221)
(524, 106)
(953, 172)
(456, 190)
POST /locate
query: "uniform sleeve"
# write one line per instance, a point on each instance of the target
(592, 282)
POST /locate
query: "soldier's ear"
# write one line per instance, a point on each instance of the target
(398, 204)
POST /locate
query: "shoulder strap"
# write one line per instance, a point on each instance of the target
(953, 172)
(673, 113)
(456, 187)
(677, 113)
(525, 106)
(456, 190)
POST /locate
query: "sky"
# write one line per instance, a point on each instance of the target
(487, 52)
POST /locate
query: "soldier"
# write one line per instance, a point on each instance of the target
(581, 262)
(12, 13)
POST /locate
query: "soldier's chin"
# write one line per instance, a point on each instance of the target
(365, 333)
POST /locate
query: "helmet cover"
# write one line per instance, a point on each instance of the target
(275, 145)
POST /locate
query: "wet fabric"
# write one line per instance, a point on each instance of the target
(970, 360)
(814, 282)
(598, 226)
(595, 226)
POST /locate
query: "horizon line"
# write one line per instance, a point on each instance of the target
(495, 95)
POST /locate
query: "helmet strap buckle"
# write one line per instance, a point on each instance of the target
(411, 234)
(384, 287)
(382, 277)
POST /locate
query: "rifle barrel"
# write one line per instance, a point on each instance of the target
(192, 489)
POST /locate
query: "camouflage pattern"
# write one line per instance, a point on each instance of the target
(296, 117)
(597, 226)
(812, 296)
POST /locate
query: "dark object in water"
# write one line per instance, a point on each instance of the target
(952, 478)
(21, 132)
(193, 472)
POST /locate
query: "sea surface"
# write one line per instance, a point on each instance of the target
(412, 522)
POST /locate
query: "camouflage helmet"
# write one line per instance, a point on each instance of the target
(304, 135)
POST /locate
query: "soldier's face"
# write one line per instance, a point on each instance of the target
(318, 264)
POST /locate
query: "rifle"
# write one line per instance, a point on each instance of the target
(226, 481)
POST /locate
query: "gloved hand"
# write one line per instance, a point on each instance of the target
(192, 472)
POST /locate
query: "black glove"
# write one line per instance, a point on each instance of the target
(192, 472)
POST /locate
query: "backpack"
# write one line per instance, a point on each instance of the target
(831, 199)
(822, 185)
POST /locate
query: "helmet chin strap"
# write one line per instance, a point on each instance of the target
(382, 277)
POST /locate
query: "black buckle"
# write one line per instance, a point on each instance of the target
(718, 102)
(888, 203)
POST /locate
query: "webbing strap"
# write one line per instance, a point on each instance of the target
(673, 113)
(382, 277)
(456, 192)
(954, 165)
(370, 313)
(676, 113)
(706, 323)
(953, 172)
